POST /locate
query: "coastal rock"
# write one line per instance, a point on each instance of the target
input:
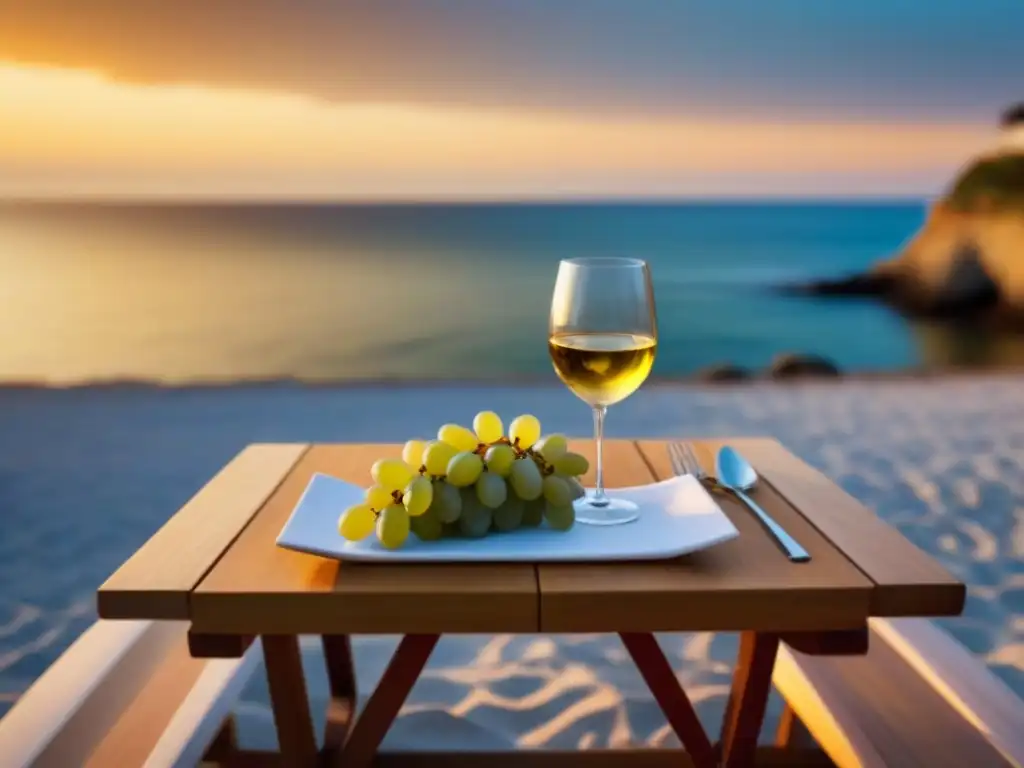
(867, 284)
(967, 261)
(1012, 123)
(724, 372)
(963, 264)
(798, 366)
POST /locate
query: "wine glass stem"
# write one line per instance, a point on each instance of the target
(599, 499)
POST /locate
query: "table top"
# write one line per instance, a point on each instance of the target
(215, 562)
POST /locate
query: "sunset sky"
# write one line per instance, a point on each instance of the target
(436, 98)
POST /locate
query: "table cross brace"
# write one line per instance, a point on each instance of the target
(352, 741)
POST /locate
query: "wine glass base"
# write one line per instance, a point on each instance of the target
(614, 512)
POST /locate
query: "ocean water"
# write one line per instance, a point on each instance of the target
(187, 293)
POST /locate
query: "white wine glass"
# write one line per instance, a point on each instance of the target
(603, 336)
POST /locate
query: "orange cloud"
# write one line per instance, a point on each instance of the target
(70, 129)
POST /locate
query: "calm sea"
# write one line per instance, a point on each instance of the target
(178, 293)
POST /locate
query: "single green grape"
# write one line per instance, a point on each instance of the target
(391, 474)
(458, 437)
(464, 469)
(533, 512)
(576, 487)
(524, 430)
(499, 459)
(556, 491)
(378, 497)
(418, 495)
(393, 526)
(560, 518)
(509, 515)
(427, 527)
(571, 465)
(552, 447)
(475, 520)
(525, 479)
(357, 522)
(412, 453)
(491, 490)
(436, 456)
(447, 502)
(488, 427)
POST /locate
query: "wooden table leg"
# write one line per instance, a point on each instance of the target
(380, 711)
(674, 703)
(224, 744)
(289, 700)
(748, 699)
(792, 733)
(341, 677)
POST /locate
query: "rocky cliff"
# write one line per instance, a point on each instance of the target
(969, 255)
(967, 261)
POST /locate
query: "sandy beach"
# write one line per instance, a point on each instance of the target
(87, 474)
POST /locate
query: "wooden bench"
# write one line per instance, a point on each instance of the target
(918, 698)
(126, 694)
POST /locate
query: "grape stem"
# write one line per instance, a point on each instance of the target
(396, 495)
(521, 453)
(542, 465)
(481, 449)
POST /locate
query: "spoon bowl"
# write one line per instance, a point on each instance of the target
(734, 471)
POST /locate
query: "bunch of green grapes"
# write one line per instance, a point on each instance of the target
(469, 482)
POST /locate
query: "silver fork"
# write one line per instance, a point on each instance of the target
(684, 461)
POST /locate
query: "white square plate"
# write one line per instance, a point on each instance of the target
(677, 516)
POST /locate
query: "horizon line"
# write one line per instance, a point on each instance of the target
(413, 200)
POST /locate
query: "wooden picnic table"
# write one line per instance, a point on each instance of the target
(216, 565)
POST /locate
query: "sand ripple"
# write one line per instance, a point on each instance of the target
(87, 475)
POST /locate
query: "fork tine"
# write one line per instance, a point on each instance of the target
(684, 459)
(676, 458)
(694, 462)
(682, 462)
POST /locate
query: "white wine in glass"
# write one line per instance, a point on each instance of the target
(603, 340)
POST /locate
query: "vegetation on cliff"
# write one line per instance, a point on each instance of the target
(1013, 116)
(991, 184)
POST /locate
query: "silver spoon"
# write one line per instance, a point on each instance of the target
(736, 474)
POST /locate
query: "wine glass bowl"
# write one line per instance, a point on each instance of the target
(603, 338)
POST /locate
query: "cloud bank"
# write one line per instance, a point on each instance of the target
(942, 60)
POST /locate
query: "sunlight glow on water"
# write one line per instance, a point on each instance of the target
(215, 303)
(234, 292)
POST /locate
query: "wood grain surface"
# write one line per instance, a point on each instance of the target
(156, 582)
(246, 585)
